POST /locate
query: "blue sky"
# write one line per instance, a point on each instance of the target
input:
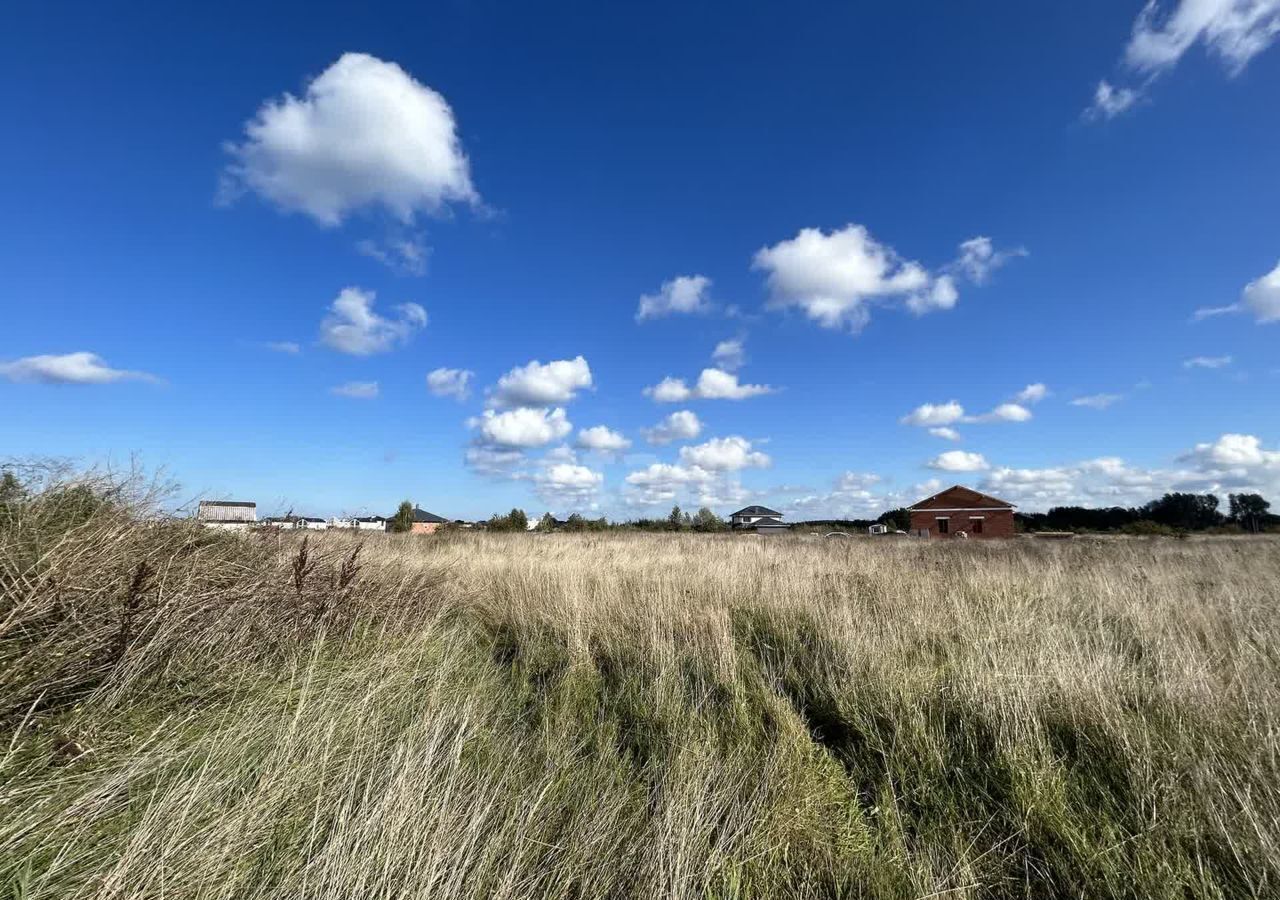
(237, 243)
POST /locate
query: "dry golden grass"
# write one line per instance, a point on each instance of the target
(199, 715)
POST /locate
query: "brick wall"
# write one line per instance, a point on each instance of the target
(996, 523)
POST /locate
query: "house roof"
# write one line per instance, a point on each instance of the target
(960, 497)
(371, 518)
(421, 515)
(756, 511)
(228, 503)
(769, 521)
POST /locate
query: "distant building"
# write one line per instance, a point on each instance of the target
(878, 528)
(370, 523)
(962, 511)
(749, 516)
(233, 515)
(425, 522)
(315, 523)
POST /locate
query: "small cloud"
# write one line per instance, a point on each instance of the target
(356, 390)
(521, 427)
(949, 434)
(455, 383)
(724, 455)
(713, 384)
(1110, 101)
(602, 440)
(1209, 312)
(288, 347)
(1097, 401)
(405, 255)
(1032, 393)
(978, 258)
(683, 294)
(934, 414)
(730, 355)
(679, 426)
(1206, 362)
(352, 326)
(959, 461)
(68, 368)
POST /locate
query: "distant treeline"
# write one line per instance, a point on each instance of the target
(1172, 513)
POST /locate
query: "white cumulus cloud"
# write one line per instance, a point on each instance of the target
(946, 433)
(521, 427)
(724, 455)
(542, 384)
(1262, 297)
(602, 440)
(713, 384)
(959, 461)
(682, 294)
(568, 485)
(365, 133)
(68, 368)
(682, 425)
(352, 326)
(836, 278)
(934, 414)
(455, 383)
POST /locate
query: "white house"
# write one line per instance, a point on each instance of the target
(371, 523)
(750, 516)
(232, 515)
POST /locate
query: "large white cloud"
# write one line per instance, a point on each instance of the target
(682, 425)
(68, 368)
(713, 384)
(542, 384)
(959, 461)
(521, 427)
(352, 326)
(682, 294)
(1262, 297)
(1235, 31)
(602, 440)
(1235, 450)
(364, 134)
(455, 383)
(836, 277)
(724, 455)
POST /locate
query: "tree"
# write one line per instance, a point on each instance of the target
(1249, 510)
(1188, 512)
(547, 522)
(898, 519)
(706, 520)
(402, 521)
(575, 522)
(676, 520)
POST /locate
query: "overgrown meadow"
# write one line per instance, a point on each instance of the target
(189, 714)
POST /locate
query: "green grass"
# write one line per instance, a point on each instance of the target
(635, 715)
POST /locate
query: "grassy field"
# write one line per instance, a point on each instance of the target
(188, 714)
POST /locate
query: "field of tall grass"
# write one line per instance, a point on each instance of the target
(188, 714)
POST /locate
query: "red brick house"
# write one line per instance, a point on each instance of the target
(959, 510)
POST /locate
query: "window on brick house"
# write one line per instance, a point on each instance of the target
(942, 526)
(975, 526)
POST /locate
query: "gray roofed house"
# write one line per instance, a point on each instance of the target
(748, 516)
(233, 514)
